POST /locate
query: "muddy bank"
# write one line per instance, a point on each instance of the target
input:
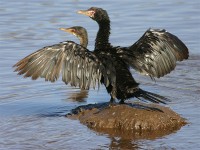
(125, 119)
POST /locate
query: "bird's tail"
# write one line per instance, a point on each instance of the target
(152, 97)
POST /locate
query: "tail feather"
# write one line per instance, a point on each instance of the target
(152, 97)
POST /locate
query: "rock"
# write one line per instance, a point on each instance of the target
(128, 118)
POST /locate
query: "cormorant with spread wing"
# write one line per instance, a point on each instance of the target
(78, 66)
(154, 54)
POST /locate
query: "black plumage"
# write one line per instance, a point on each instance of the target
(154, 54)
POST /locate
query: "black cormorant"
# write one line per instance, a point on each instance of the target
(154, 54)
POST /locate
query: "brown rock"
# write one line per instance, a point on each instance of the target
(125, 119)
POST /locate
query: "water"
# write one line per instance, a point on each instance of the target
(32, 112)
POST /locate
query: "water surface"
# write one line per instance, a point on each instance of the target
(32, 112)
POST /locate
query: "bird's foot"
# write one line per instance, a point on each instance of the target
(121, 102)
(112, 100)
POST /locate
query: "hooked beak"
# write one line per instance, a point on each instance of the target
(89, 13)
(69, 30)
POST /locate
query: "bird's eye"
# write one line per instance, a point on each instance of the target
(91, 13)
(73, 30)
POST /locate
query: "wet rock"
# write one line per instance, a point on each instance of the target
(130, 118)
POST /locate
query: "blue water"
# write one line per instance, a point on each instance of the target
(32, 112)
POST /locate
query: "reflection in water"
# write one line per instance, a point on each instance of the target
(135, 135)
(27, 25)
(119, 143)
(130, 140)
(79, 96)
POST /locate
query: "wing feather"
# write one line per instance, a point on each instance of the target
(78, 66)
(155, 53)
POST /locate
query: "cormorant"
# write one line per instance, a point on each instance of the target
(78, 65)
(154, 54)
(79, 32)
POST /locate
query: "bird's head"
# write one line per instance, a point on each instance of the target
(97, 14)
(78, 31)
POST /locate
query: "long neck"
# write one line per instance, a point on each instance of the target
(83, 40)
(102, 38)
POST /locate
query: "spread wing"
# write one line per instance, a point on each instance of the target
(78, 66)
(155, 53)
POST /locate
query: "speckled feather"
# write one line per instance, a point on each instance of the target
(155, 53)
(78, 66)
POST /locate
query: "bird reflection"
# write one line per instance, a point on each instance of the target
(120, 143)
(78, 96)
